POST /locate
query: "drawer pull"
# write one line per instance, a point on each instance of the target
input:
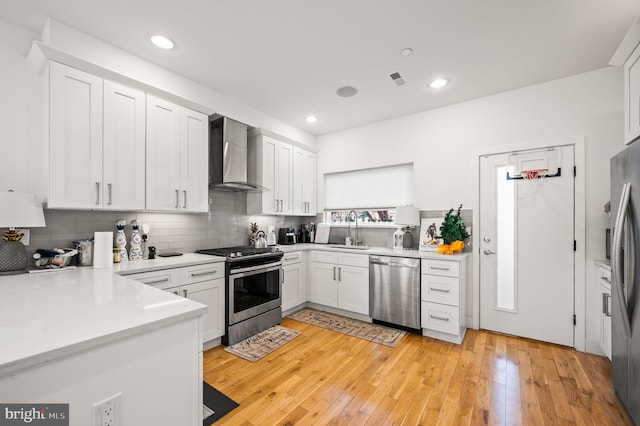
(605, 279)
(439, 290)
(438, 318)
(161, 280)
(199, 274)
(291, 258)
(440, 268)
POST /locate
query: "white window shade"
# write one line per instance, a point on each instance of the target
(380, 187)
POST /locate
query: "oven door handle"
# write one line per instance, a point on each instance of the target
(252, 270)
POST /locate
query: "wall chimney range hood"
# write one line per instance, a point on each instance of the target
(228, 156)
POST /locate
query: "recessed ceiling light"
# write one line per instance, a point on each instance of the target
(311, 119)
(406, 51)
(347, 91)
(438, 83)
(162, 41)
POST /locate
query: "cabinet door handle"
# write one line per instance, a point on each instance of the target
(177, 199)
(162, 280)
(199, 274)
(438, 318)
(184, 292)
(605, 304)
(176, 293)
(605, 279)
(97, 193)
(334, 273)
(281, 205)
(339, 273)
(440, 268)
(184, 205)
(439, 290)
(109, 192)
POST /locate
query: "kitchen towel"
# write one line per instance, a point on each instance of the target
(103, 250)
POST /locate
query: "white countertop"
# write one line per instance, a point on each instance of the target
(383, 251)
(50, 315)
(159, 263)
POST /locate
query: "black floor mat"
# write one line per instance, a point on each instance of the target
(217, 402)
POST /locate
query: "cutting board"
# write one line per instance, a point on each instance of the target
(322, 233)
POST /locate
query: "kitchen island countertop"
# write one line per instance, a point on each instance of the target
(50, 315)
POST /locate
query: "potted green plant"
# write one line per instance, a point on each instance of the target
(453, 232)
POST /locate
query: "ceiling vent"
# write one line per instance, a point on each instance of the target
(397, 78)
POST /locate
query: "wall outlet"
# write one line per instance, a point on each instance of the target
(107, 412)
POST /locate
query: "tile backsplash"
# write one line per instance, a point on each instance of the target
(226, 224)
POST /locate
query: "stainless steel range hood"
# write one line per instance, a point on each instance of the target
(228, 156)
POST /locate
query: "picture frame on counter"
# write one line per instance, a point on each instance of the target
(429, 230)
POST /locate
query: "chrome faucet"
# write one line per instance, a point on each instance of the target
(357, 241)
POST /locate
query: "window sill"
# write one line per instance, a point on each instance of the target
(381, 225)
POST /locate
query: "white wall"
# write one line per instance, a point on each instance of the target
(442, 144)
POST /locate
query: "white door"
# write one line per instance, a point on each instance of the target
(527, 246)
(163, 155)
(75, 138)
(194, 161)
(284, 172)
(123, 148)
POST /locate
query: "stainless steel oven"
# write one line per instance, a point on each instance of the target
(253, 290)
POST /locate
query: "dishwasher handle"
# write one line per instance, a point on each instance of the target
(378, 262)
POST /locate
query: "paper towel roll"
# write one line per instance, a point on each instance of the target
(103, 250)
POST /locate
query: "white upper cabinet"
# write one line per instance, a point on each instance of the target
(75, 138)
(123, 167)
(304, 182)
(287, 171)
(271, 166)
(96, 142)
(628, 56)
(177, 158)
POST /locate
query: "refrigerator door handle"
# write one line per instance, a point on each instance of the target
(616, 255)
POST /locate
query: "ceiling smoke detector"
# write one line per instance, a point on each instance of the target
(347, 91)
(397, 78)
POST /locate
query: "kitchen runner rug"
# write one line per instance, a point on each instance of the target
(352, 327)
(215, 404)
(263, 343)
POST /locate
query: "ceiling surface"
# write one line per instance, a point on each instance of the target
(288, 57)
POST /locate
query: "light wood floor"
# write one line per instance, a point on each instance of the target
(323, 377)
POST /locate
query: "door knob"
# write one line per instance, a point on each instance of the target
(487, 252)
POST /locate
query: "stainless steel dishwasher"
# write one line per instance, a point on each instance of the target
(394, 296)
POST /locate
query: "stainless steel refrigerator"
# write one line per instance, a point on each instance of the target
(625, 253)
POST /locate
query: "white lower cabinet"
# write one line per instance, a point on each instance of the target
(293, 286)
(202, 283)
(604, 288)
(340, 280)
(443, 293)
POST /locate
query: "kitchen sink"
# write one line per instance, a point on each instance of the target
(344, 246)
